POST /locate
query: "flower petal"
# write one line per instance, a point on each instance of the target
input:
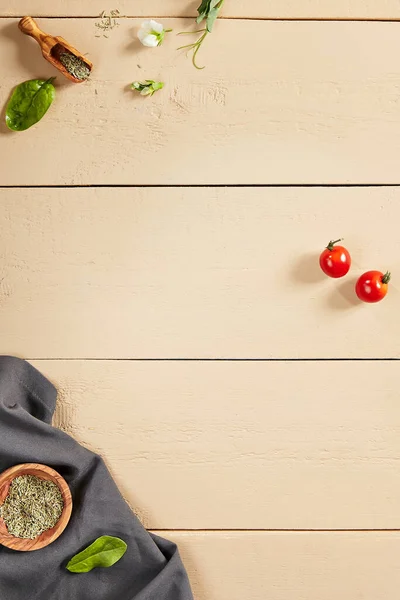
(142, 34)
(149, 40)
(147, 25)
(157, 27)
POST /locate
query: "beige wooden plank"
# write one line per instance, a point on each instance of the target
(279, 102)
(270, 9)
(287, 566)
(194, 273)
(248, 445)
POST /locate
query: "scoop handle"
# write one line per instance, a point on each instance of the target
(30, 27)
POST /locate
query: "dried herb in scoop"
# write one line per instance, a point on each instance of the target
(74, 65)
(33, 505)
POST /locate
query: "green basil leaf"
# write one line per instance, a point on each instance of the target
(212, 16)
(203, 10)
(29, 103)
(209, 10)
(104, 552)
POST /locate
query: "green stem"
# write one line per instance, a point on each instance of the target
(386, 278)
(210, 16)
(199, 43)
(332, 243)
(196, 47)
(190, 32)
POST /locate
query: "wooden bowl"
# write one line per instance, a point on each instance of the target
(49, 536)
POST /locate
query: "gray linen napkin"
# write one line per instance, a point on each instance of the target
(151, 569)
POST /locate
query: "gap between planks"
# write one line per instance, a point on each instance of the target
(279, 19)
(148, 359)
(275, 530)
(199, 185)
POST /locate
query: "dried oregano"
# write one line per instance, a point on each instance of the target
(33, 505)
(74, 65)
(108, 21)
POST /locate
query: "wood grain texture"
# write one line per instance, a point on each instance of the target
(268, 9)
(194, 273)
(248, 445)
(216, 273)
(312, 111)
(286, 566)
(49, 536)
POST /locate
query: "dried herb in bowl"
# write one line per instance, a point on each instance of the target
(33, 505)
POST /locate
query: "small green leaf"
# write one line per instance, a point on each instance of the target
(203, 10)
(104, 552)
(29, 103)
(212, 17)
(209, 10)
(148, 87)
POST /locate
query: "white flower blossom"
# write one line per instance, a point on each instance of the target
(151, 33)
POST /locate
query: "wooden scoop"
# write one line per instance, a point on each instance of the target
(52, 47)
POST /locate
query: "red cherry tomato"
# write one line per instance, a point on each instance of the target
(372, 286)
(335, 261)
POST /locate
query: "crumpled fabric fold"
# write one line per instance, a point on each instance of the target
(151, 569)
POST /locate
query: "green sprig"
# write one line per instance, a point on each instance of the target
(148, 87)
(209, 12)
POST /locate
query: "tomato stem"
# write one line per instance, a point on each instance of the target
(386, 277)
(332, 243)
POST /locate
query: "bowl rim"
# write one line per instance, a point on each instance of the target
(47, 537)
